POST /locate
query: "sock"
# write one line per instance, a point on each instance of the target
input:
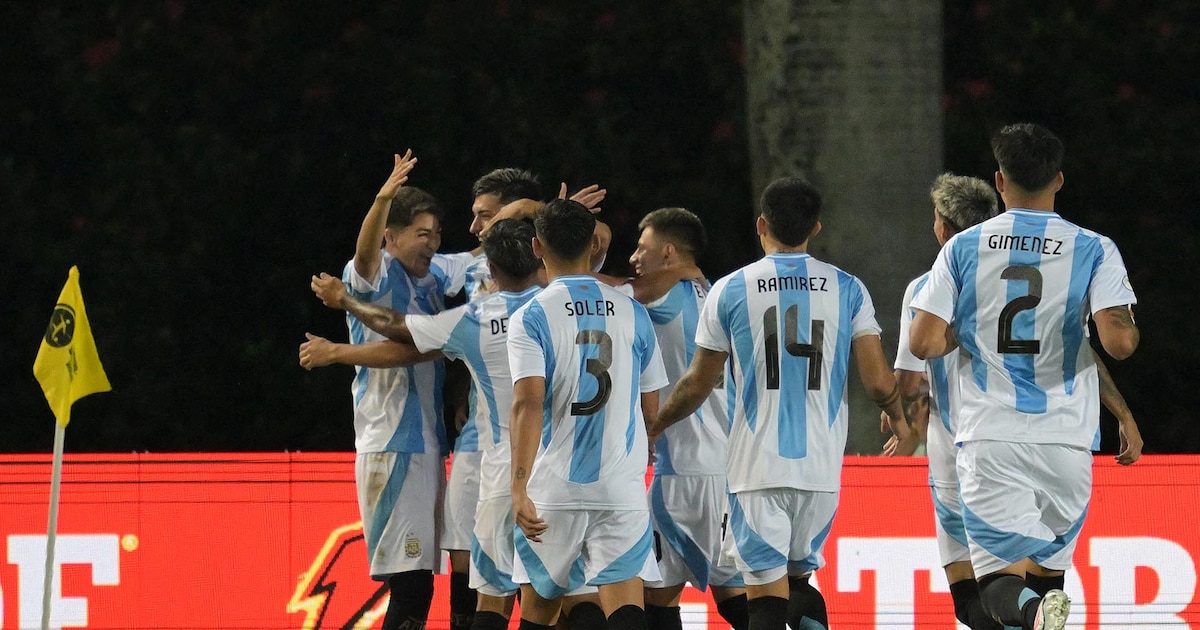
(767, 613)
(627, 617)
(804, 601)
(586, 616)
(663, 618)
(969, 609)
(488, 620)
(733, 611)
(410, 595)
(462, 601)
(1042, 585)
(529, 625)
(1007, 600)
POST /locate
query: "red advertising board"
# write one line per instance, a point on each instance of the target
(265, 541)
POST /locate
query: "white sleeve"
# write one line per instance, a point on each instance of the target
(1110, 283)
(654, 373)
(432, 332)
(359, 284)
(905, 359)
(455, 267)
(525, 353)
(710, 333)
(939, 297)
(864, 322)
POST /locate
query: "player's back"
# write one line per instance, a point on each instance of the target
(595, 344)
(1027, 281)
(698, 444)
(787, 321)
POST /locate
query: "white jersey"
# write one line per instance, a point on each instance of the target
(596, 349)
(399, 409)
(476, 278)
(477, 333)
(1018, 290)
(787, 322)
(943, 395)
(698, 444)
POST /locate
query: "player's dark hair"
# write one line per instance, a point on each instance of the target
(1029, 155)
(509, 245)
(963, 201)
(679, 226)
(509, 184)
(410, 202)
(791, 207)
(565, 227)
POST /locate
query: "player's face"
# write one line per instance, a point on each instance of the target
(484, 208)
(415, 245)
(651, 253)
(939, 227)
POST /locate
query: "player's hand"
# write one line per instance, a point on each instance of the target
(1131, 443)
(897, 447)
(519, 209)
(330, 290)
(527, 518)
(401, 166)
(316, 352)
(589, 196)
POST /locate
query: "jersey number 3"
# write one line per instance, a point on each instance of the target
(791, 343)
(598, 368)
(1005, 344)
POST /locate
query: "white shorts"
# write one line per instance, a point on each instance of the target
(687, 513)
(492, 548)
(399, 499)
(585, 547)
(779, 531)
(462, 495)
(1023, 501)
(948, 519)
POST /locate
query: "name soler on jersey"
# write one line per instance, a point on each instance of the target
(1035, 244)
(792, 283)
(579, 308)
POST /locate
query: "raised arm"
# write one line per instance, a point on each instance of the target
(881, 386)
(1118, 333)
(693, 387)
(367, 256)
(1110, 396)
(319, 352)
(525, 428)
(386, 321)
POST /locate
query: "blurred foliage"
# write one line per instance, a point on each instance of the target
(199, 161)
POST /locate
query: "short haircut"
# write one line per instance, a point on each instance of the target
(1029, 155)
(963, 201)
(791, 207)
(679, 226)
(565, 227)
(509, 184)
(509, 245)
(410, 202)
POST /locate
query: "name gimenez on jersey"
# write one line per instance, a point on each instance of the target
(1035, 244)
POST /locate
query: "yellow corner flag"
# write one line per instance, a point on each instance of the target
(67, 365)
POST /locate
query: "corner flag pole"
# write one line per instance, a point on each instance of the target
(68, 368)
(60, 433)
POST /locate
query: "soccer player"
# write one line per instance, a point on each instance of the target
(585, 368)
(399, 434)
(688, 496)
(790, 324)
(477, 333)
(1016, 293)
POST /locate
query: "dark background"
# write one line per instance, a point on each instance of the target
(198, 161)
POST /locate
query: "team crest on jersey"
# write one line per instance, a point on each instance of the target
(412, 547)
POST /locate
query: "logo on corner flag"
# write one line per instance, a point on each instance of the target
(61, 329)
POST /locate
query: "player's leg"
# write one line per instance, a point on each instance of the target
(398, 495)
(550, 569)
(491, 564)
(956, 557)
(462, 496)
(685, 513)
(812, 518)
(731, 605)
(760, 528)
(581, 610)
(618, 559)
(662, 607)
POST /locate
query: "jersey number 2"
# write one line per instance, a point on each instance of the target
(598, 368)
(791, 343)
(1005, 344)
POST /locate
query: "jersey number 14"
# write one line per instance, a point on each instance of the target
(791, 343)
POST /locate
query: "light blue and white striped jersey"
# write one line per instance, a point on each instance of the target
(477, 333)
(698, 444)
(476, 278)
(787, 322)
(399, 409)
(596, 349)
(1018, 290)
(943, 395)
